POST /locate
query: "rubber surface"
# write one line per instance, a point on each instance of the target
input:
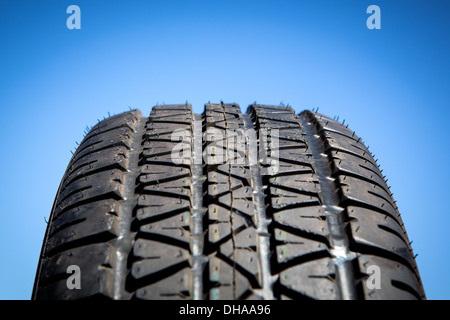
(186, 206)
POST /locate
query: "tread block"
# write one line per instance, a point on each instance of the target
(130, 118)
(360, 190)
(114, 178)
(336, 141)
(176, 227)
(88, 189)
(154, 127)
(179, 187)
(164, 175)
(175, 286)
(397, 282)
(223, 223)
(83, 226)
(313, 279)
(225, 178)
(303, 184)
(283, 198)
(230, 283)
(309, 219)
(374, 229)
(112, 136)
(154, 205)
(102, 160)
(329, 124)
(291, 246)
(95, 262)
(344, 162)
(160, 172)
(167, 157)
(155, 256)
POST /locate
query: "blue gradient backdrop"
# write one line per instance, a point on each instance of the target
(392, 86)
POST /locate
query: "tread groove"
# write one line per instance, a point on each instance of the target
(262, 220)
(403, 286)
(96, 238)
(197, 210)
(338, 238)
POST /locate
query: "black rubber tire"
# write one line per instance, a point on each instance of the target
(141, 226)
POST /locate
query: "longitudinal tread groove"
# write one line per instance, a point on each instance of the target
(339, 239)
(262, 220)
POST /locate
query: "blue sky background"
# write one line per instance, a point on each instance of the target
(392, 85)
